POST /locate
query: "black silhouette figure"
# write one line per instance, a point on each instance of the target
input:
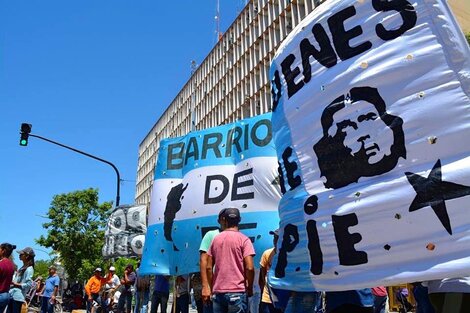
(173, 205)
(352, 127)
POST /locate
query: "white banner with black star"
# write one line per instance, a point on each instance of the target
(372, 124)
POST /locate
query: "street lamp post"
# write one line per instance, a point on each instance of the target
(118, 190)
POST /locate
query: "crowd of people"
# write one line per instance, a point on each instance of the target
(225, 283)
(16, 283)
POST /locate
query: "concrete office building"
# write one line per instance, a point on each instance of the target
(232, 82)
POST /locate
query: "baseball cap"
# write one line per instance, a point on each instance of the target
(274, 232)
(112, 269)
(231, 213)
(221, 213)
(28, 250)
(98, 269)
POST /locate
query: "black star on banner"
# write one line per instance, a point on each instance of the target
(433, 192)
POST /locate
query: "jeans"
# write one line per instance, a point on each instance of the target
(423, 305)
(46, 305)
(144, 296)
(379, 304)
(253, 302)
(300, 302)
(15, 306)
(182, 304)
(159, 298)
(207, 307)
(351, 308)
(4, 300)
(230, 302)
(125, 299)
(199, 305)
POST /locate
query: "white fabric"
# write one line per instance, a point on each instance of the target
(459, 284)
(396, 229)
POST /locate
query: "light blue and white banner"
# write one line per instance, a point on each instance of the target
(371, 123)
(201, 173)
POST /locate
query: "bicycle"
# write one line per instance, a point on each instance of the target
(35, 306)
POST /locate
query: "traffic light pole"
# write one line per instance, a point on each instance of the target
(91, 156)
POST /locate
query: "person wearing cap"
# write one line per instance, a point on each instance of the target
(93, 287)
(110, 288)
(7, 269)
(114, 282)
(49, 291)
(205, 244)
(22, 280)
(266, 306)
(231, 253)
(125, 299)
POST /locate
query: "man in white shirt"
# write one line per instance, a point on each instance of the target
(110, 288)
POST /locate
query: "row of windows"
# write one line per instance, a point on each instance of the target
(230, 84)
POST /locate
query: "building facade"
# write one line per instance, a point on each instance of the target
(231, 83)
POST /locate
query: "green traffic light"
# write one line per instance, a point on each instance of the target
(23, 142)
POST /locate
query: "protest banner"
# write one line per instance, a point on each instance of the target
(371, 120)
(201, 173)
(125, 232)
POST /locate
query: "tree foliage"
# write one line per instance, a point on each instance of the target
(76, 231)
(41, 268)
(121, 263)
(467, 35)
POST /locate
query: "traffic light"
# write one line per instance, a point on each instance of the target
(25, 130)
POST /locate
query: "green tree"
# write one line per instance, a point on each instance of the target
(76, 231)
(41, 268)
(467, 35)
(121, 263)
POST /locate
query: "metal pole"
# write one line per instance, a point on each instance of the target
(91, 156)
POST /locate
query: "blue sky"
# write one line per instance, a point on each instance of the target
(95, 75)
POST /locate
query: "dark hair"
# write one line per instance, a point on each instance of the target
(232, 222)
(29, 262)
(8, 248)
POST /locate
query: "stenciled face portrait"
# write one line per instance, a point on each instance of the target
(366, 134)
(360, 139)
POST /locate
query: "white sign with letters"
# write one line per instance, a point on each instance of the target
(371, 121)
(196, 176)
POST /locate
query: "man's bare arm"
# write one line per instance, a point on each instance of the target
(206, 287)
(249, 274)
(209, 267)
(262, 278)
